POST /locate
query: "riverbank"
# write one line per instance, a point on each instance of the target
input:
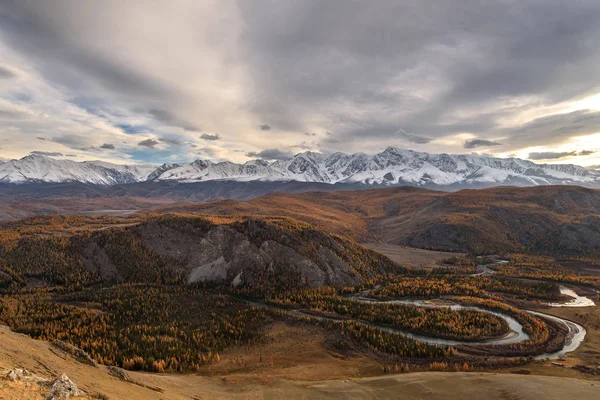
(40, 358)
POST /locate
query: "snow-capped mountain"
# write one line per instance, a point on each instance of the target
(393, 166)
(37, 168)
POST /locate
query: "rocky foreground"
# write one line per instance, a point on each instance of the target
(21, 383)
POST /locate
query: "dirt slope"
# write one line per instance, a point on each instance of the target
(42, 359)
(39, 357)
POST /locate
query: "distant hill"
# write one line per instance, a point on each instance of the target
(542, 218)
(250, 253)
(561, 218)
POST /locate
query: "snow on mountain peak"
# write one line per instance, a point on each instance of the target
(393, 166)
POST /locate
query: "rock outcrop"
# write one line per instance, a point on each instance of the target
(18, 374)
(252, 253)
(63, 388)
(76, 352)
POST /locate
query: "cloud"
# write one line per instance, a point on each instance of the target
(441, 77)
(303, 146)
(108, 146)
(550, 155)
(72, 140)
(6, 73)
(171, 141)
(47, 153)
(150, 143)
(443, 71)
(552, 129)
(271, 154)
(206, 136)
(41, 138)
(471, 144)
(586, 152)
(412, 137)
(594, 167)
(12, 114)
(131, 129)
(169, 118)
(210, 152)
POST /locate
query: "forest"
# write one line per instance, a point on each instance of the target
(146, 316)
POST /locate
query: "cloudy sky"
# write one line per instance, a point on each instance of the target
(159, 81)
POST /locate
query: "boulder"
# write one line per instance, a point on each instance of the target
(17, 374)
(63, 388)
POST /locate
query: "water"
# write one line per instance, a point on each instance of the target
(515, 335)
(573, 340)
(578, 301)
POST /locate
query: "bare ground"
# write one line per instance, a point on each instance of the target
(410, 255)
(269, 379)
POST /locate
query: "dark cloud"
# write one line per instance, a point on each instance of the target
(271, 154)
(6, 73)
(150, 143)
(310, 134)
(171, 141)
(169, 118)
(412, 137)
(38, 30)
(553, 129)
(358, 69)
(550, 155)
(471, 144)
(41, 138)
(108, 146)
(47, 153)
(72, 140)
(426, 66)
(207, 136)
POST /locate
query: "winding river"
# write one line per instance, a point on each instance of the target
(575, 336)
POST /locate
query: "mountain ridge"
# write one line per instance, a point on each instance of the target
(391, 167)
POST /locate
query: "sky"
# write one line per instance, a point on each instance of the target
(173, 81)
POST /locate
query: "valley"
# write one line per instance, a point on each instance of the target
(228, 289)
(306, 199)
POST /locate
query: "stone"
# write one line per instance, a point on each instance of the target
(63, 388)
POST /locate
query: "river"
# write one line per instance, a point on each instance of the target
(575, 336)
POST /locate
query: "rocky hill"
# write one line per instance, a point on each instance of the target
(245, 253)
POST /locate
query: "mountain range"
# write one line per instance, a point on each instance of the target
(393, 166)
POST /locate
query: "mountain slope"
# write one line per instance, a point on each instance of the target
(391, 167)
(546, 218)
(36, 168)
(248, 253)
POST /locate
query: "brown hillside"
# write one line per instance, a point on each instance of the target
(485, 220)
